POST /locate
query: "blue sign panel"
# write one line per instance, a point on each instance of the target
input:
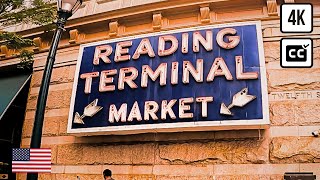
(189, 79)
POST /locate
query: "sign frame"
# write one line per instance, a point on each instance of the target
(179, 126)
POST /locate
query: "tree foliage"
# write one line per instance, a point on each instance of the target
(15, 12)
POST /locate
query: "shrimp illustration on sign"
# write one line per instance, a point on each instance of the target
(89, 111)
(240, 99)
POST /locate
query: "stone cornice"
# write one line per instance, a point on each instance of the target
(153, 17)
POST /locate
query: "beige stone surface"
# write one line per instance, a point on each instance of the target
(293, 79)
(302, 112)
(272, 51)
(51, 126)
(295, 150)
(99, 177)
(243, 177)
(106, 154)
(47, 176)
(282, 113)
(241, 151)
(56, 99)
(184, 177)
(63, 125)
(59, 75)
(307, 112)
(70, 154)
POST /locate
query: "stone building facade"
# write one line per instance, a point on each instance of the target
(287, 145)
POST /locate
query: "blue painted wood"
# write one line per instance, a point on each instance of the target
(221, 89)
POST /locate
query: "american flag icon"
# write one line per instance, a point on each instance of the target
(31, 160)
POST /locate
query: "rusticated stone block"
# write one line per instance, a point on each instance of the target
(243, 177)
(47, 176)
(63, 125)
(184, 177)
(91, 154)
(106, 154)
(295, 150)
(21, 176)
(241, 151)
(295, 112)
(128, 154)
(27, 128)
(70, 154)
(141, 177)
(282, 113)
(272, 51)
(143, 154)
(59, 75)
(116, 154)
(56, 99)
(293, 79)
(316, 50)
(276, 177)
(81, 176)
(50, 127)
(307, 112)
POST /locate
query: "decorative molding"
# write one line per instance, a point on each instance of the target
(113, 28)
(3, 51)
(205, 14)
(157, 21)
(74, 36)
(37, 43)
(272, 7)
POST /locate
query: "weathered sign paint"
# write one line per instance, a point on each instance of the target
(190, 79)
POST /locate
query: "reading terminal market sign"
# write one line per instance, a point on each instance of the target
(202, 78)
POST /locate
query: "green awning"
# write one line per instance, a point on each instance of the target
(10, 87)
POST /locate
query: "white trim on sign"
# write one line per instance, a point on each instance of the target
(178, 126)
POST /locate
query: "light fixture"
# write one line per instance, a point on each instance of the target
(68, 7)
(65, 10)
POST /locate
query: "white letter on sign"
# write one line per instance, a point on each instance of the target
(239, 70)
(219, 68)
(184, 46)
(183, 107)
(144, 48)
(135, 112)
(160, 71)
(174, 72)
(127, 79)
(117, 115)
(88, 77)
(204, 104)
(162, 42)
(150, 109)
(233, 40)
(122, 51)
(102, 52)
(206, 43)
(167, 108)
(197, 74)
(104, 80)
